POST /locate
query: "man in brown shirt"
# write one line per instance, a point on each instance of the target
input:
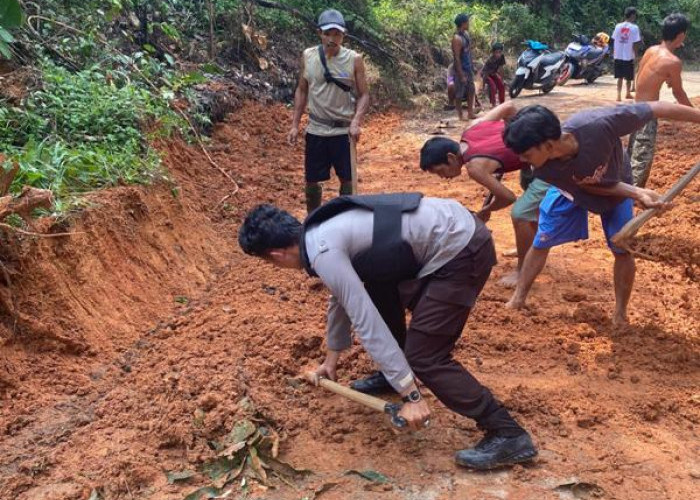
(658, 65)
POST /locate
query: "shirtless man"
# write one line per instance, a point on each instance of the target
(658, 65)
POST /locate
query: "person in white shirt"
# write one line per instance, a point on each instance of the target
(626, 37)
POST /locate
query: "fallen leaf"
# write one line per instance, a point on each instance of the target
(219, 467)
(230, 451)
(95, 495)
(324, 488)
(582, 490)
(284, 469)
(182, 475)
(241, 431)
(202, 493)
(370, 475)
(256, 465)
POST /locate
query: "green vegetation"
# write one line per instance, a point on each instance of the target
(79, 133)
(110, 70)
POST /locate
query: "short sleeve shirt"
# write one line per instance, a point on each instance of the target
(600, 159)
(485, 140)
(626, 34)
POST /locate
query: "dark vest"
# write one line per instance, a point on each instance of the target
(390, 258)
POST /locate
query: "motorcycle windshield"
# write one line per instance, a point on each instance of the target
(535, 45)
(527, 57)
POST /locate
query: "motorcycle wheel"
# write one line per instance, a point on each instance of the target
(516, 86)
(548, 88)
(566, 71)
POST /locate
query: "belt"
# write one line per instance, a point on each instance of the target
(330, 123)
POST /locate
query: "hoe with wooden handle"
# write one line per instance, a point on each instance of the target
(391, 409)
(623, 236)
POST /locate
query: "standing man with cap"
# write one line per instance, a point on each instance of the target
(332, 83)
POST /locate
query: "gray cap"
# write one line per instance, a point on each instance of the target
(330, 19)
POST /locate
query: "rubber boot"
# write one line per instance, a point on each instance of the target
(314, 194)
(345, 188)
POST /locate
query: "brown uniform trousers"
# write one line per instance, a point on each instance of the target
(440, 305)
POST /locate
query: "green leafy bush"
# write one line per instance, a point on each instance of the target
(84, 131)
(10, 17)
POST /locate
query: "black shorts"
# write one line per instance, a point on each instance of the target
(324, 152)
(624, 69)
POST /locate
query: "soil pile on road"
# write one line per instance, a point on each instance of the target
(185, 336)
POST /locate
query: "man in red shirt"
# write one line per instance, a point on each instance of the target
(486, 159)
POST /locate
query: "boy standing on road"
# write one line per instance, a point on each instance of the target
(658, 65)
(492, 75)
(625, 36)
(586, 165)
(332, 82)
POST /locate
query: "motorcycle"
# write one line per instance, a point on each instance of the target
(584, 60)
(538, 68)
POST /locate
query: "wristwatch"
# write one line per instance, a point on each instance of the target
(412, 397)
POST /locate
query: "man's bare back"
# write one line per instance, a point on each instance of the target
(658, 66)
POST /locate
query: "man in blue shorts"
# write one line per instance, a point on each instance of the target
(584, 161)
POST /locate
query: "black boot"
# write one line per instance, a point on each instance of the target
(496, 451)
(374, 384)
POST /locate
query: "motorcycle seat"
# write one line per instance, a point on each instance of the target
(594, 53)
(549, 59)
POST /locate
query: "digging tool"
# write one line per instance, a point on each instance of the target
(391, 409)
(353, 164)
(624, 235)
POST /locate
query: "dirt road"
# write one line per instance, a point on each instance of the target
(213, 336)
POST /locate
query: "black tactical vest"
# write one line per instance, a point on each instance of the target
(390, 258)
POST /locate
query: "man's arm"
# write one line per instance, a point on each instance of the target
(501, 112)
(481, 170)
(676, 83)
(456, 54)
(675, 112)
(362, 98)
(645, 197)
(301, 97)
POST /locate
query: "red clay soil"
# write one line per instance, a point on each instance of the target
(179, 336)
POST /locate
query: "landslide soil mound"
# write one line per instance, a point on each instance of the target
(185, 336)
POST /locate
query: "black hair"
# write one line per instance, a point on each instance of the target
(496, 46)
(674, 25)
(530, 127)
(630, 11)
(267, 227)
(434, 151)
(461, 19)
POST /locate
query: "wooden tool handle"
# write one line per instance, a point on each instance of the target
(364, 399)
(631, 228)
(353, 164)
